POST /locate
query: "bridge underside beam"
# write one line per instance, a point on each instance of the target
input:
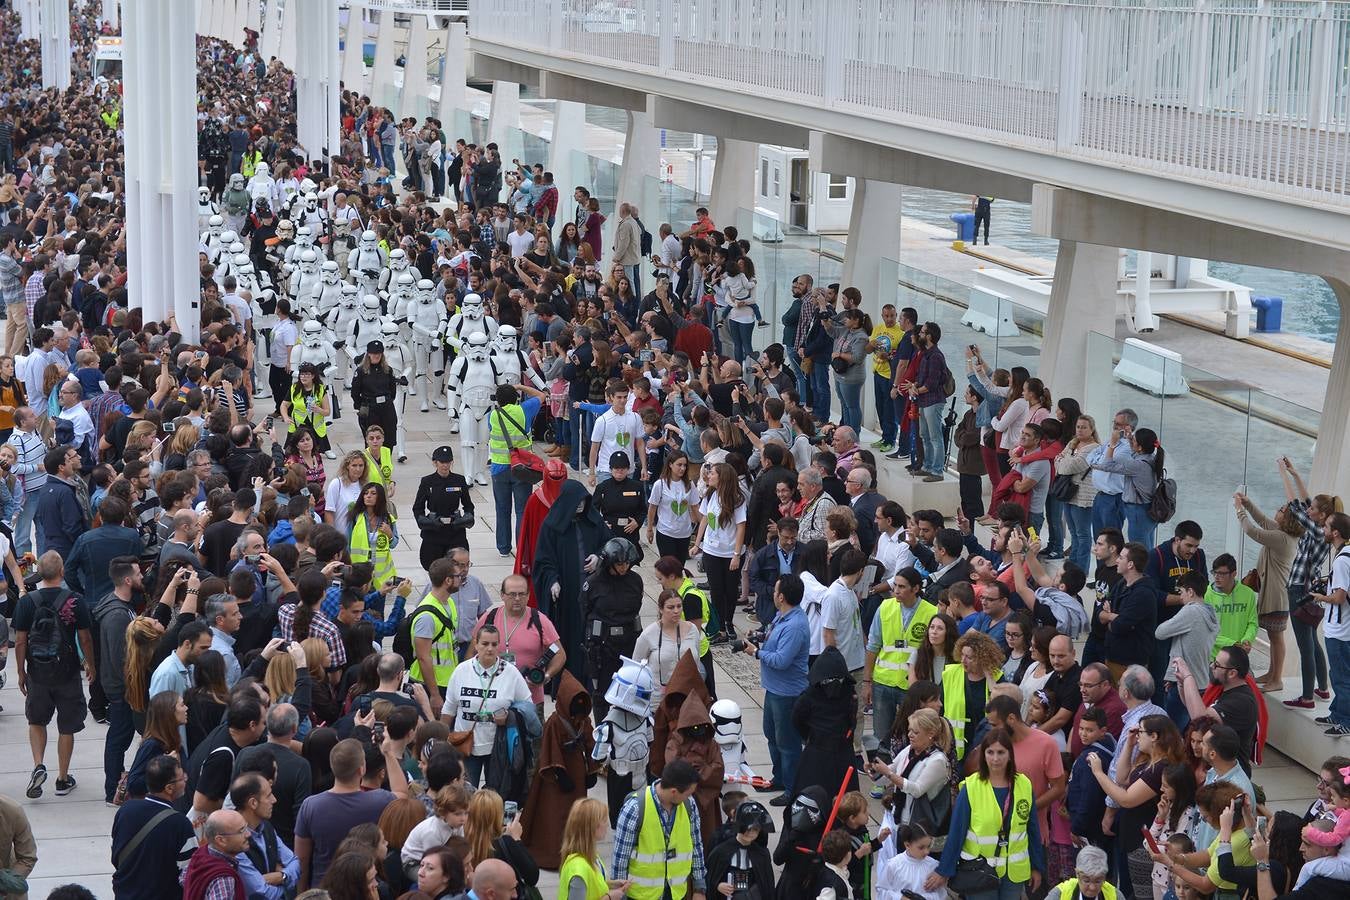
(679, 115)
(580, 90)
(489, 68)
(846, 156)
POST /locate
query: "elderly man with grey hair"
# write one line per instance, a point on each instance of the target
(865, 502)
(1089, 877)
(294, 781)
(816, 505)
(1136, 690)
(223, 616)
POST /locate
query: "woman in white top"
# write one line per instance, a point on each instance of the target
(721, 536)
(919, 773)
(1039, 672)
(481, 690)
(815, 578)
(1008, 423)
(663, 642)
(669, 523)
(1072, 462)
(343, 489)
(740, 295)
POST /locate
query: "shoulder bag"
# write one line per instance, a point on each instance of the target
(525, 466)
(462, 741)
(977, 876)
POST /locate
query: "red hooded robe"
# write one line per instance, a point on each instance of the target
(536, 508)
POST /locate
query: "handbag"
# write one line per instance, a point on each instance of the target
(462, 741)
(1309, 612)
(977, 876)
(1253, 580)
(525, 466)
(807, 365)
(1064, 488)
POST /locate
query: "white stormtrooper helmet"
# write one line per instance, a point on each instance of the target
(237, 182)
(389, 331)
(285, 229)
(369, 240)
(242, 264)
(405, 283)
(476, 348)
(351, 296)
(228, 238)
(472, 307)
(330, 272)
(263, 171)
(370, 308)
(313, 334)
(311, 202)
(215, 225)
(505, 341)
(304, 236)
(309, 262)
(426, 290)
(398, 260)
(307, 186)
(726, 717)
(631, 688)
(203, 195)
(236, 247)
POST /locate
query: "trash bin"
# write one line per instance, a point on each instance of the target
(1269, 311)
(965, 226)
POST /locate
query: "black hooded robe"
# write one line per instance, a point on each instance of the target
(565, 540)
(825, 716)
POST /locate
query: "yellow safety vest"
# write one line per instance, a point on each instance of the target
(661, 862)
(588, 871)
(1068, 890)
(443, 656)
(249, 166)
(685, 590)
(898, 643)
(380, 473)
(507, 432)
(954, 702)
(1013, 860)
(382, 557)
(300, 414)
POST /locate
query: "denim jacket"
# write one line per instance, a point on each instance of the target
(991, 398)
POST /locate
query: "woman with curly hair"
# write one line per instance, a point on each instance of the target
(966, 683)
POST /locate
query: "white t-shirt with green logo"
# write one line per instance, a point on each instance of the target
(672, 508)
(719, 538)
(612, 433)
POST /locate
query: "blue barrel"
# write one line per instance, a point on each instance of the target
(965, 226)
(1269, 311)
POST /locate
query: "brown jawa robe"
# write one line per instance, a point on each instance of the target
(564, 765)
(684, 680)
(694, 741)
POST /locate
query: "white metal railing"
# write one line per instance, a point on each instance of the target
(1255, 94)
(435, 7)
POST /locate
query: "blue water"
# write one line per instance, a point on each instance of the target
(1310, 307)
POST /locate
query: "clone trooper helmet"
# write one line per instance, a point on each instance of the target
(264, 170)
(351, 296)
(389, 331)
(203, 195)
(309, 262)
(236, 182)
(631, 688)
(369, 240)
(215, 225)
(476, 348)
(398, 260)
(229, 238)
(806, 812)
(285, 229)
(312, 202)
(472, 307)
(304, 236)
(313, 334)
(726, 717)
(370, 308)
(505, 341)
(330, 271)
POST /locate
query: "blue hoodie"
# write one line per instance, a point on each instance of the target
(1085, 800)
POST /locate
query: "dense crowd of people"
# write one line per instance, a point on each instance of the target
(1042, 697)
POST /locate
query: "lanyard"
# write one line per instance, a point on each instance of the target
(506, 638)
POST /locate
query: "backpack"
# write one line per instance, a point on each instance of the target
(1163, 506)
(534, 622)
(403, 641)
(644, 239)
(948, 381)
(49, 659)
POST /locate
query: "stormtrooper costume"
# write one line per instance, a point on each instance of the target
(275, 255)
(304, 240)
(339, 321)
(470, 320)
(228, 254)
(362, 330)
(261, 299)
(206, 208)
(623, 738)
(399, 358)
(400, 301)
(426, 316)
(471, 386)
(212, 236)
(510, 361)
(327, 294)
(398, 264)
(726, 717)
(316, 348)
(311, 214)
(262, 186)
(236, 203)
(365, 263)
(304, 279)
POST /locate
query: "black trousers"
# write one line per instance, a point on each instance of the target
(972, 496)
(673, 546)
(383, 416)
(280, 381)
(438, 545)
(724, 586)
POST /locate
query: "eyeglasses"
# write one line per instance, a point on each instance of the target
(1084, 686)
(1224, 572)
(1215, 665)
(515, 593)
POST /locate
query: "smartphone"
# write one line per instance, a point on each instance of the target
(1148, 839)
(511, 810)
(1031, 533)
(1261, 825)
(363, 704)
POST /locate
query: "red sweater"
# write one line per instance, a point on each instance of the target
(204, 868)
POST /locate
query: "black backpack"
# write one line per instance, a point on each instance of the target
(644, 239)
(403, 642)
(48, 655)
(1163, 506)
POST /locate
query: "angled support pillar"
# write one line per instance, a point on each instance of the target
(1082, 301)
(353, 51)
(504, 120)
(316, 78)
(454, 78)
(413, 101)
(253, 15)
(565, 153)
(733, 186)
(1331, 457)
(382, 77)
(270, 42)
(160, 65)
(55, 40)
(871, 258)
(290, 33)
(639, 176)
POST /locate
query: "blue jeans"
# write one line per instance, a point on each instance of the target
(881, 386)
(579, 438)
(505, 488)
(1338, 661)
(116, 744)
(23, 526)
(1176, 706)
(930, 428)
(850, 404)
(885, 701)
(387, 154)
(1108, 511)
(1054, 517)
(741, 335)
(795, 365)
(820, 390)
(562, 431)
(1080, 534)
(1036, 520)
(1312, 659)
(785, 744)
(1141, 527)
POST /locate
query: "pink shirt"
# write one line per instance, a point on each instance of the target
(1037, 757)
(522, 642)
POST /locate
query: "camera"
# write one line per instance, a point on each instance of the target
(408, 687)
(752, 637)
(168, 427)
(253, 559)
(535, 673)
(285, 647)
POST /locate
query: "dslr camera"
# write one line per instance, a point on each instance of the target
(752, 637)
(535, 673)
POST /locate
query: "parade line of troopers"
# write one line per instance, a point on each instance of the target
(362, 295)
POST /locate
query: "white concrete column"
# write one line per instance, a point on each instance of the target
(413, 97)
(382, 78)
(55, 40)
(290, 33)
(316, 77)
(270, 42)
(239, 20)
(873, 238)
(733, 186)
(504, 120)
(353, 60)
(639, 175)
(110, 12)
(160, 65)
(253, 15)
(454, 76)
(564, 155)
(30, 16)
(1331, 457)
(1082, 301)
(218, 18)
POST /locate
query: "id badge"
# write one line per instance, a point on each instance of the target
(381, 399)
(509, 657)
(900, 644)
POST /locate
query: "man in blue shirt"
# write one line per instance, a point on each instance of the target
(993, 617)
(782, 673)
(267, 855)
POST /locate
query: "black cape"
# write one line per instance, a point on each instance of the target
(825, 716)
(565, 540)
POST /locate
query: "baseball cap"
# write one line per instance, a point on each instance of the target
(375, 347)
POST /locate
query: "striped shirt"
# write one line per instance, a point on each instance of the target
(11, 275)
(32, 449)
(33, 291)
(1312, 547)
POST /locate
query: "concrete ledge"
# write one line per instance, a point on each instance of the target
(489, 68)
(915, 493)
(679, 115)
(991, 313)
(1294, 733)
(564, 87)
(1151, 368)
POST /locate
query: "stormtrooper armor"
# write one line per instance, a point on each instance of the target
(726, 717)
(623, 738)
(226, 265)
(470, 320)
(402, 296)
(304, 240)
(426, 316)
(236, 203)
(363, 329)
(398, 264)
(311, 213)
(217, 256)
(262, 186)
(510, 361)
(206, 208)
(314, 349)
(399, 358)
(210, 240)
(303, 282)
(328, 292)
(339, 321)
(471, 385)
(365, 262)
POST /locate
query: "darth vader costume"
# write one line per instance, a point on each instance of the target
(572, 531)
(798, 848)
(825, 716)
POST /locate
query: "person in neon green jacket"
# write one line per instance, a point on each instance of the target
(1234, 602)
